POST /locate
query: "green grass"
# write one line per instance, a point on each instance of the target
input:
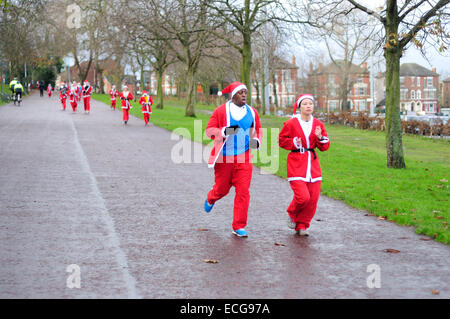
(354, 168)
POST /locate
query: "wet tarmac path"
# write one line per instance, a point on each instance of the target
(85, 190)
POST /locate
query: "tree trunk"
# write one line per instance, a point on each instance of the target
(190, 107)
(247, 64)
(159, 90)
(392, 55)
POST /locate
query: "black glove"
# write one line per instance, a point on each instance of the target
(253, 143)
(231, 130)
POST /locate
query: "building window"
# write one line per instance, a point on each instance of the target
(403, 94)
(419, 94)
(429, 82)
(331, 79)
(361, 91)
(418, 81)
(413, 95)
(360, 79)
(402, 79)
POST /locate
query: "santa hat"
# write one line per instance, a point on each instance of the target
(144, 93)
(233, 88)
(300, 99)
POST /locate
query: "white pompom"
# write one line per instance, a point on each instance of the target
(219, 93)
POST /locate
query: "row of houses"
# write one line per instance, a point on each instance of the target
(421, 90)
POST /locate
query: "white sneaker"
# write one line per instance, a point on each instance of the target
(290, 223)
(302, 232)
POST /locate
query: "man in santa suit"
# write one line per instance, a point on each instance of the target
(146, 101)
(113, 94)
(87, 89)
(302, 135)
(235, 128)
(63, 93)
(73, 98)
(49, 90)
(126, 98)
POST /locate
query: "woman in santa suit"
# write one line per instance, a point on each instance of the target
(146, 102)
(235, 128)
(73, 98)
(113, 94)
(126, 98)
(302, 135)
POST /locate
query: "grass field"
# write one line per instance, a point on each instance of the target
(354, 168)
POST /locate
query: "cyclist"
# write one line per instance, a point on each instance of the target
(18, 89)
(11, 86)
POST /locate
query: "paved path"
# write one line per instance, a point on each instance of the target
(86, 190)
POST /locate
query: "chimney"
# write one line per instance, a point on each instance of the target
(364, 65)
(293, 60)
(310, 67)
(434, 70)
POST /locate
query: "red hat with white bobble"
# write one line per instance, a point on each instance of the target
(300, 99)
(233, 88)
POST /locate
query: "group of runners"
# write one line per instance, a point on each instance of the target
(235, 128)
(76, 92)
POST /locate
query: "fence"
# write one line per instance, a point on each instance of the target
(428, 126)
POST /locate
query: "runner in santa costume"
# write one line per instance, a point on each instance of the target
(113, 94)
(49, 90)
(73, 98)
(146, 102)
(235, 128)
(79, 88)
(63, 93)
(87, 89)
(126, 98)
(302, 135)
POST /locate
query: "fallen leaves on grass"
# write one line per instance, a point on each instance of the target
(381, 217)
(425, 238)
(443, 180)
(211, 261)
(392, 251)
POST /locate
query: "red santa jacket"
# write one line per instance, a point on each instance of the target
(215, 128)
(146, 102)
(87, 91)
(303, 165)
(126, 101)
(114, 94)
(73, 95)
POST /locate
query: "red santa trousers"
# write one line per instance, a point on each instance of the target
(87, 103)
(146, 117)
(304, 204)
(238, 175)
(63, 104)
(74, 106)
(113, 104)
(125, 114)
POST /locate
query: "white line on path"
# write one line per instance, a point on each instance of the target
(114, 239)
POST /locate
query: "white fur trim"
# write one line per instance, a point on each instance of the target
(237, 89)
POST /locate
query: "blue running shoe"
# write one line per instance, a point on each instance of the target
(240, 232)
(208, 206)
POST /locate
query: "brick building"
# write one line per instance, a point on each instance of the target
(325, 83)
(418, 89)
(285, 79)
(445, 96)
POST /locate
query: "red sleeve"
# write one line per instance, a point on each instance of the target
(258, 128)
(212, 129)
(130, 96)
(286, 138)
(151, 100)
(141, 100)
